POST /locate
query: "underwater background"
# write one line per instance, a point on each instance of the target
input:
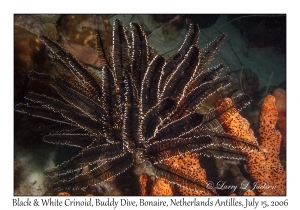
(254, 54)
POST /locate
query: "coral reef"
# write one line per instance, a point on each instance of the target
(144, 104)
(78, 32)
(140, 121)
(264, 164)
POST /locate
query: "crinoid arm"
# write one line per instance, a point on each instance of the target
(141, 106)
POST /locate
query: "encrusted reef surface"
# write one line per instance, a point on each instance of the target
(241, 150)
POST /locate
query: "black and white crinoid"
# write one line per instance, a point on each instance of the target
(140, 109)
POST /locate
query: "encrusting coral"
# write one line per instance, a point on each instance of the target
(63, 194)
(187, 164)
(161, 187)
(263, 164)
(280, 103)
(190, 165)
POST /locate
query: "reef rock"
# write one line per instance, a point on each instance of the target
(78, 37)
